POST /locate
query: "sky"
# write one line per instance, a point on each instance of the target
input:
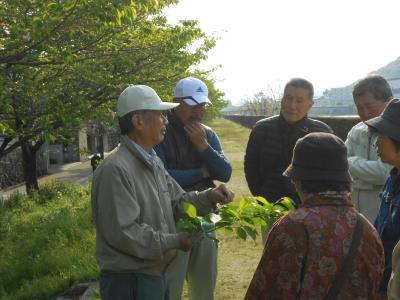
(264, 43)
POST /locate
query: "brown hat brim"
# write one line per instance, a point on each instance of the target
(385, 127)
(296, 172)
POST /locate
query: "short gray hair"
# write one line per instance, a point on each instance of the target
(376, 85)
(125, 122)
(301, 83)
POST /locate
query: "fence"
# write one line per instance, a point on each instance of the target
(339, 124)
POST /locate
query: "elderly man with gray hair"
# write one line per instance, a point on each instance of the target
(134, 202)
(371, 95)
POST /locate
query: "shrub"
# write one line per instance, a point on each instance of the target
(47, 242)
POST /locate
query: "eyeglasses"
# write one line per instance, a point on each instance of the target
(194, 100)
(191, 98)
(165, 113)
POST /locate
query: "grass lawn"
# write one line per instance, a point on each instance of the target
(237, 259)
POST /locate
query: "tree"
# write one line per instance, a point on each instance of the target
(264, 103)
(256, 105)
(326, 94)
(65, 62)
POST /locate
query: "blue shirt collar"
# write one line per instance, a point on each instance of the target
(148, 157)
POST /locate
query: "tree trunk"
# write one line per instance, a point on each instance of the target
(29, 167)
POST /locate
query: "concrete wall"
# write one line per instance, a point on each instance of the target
(340, 124)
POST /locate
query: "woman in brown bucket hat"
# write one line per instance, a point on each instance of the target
(388, 219)
(325, 249)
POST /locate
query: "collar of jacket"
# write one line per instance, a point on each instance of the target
(126, 142)
(327, 200)
(301, 124)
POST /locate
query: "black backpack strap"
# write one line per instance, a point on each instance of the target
(348, 261)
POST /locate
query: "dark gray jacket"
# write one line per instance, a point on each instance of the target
(269, 152)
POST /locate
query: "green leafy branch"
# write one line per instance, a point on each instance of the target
(243, 219)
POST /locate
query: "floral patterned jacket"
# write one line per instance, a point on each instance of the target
(305, 251)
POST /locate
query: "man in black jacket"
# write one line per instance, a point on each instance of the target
(271, 142)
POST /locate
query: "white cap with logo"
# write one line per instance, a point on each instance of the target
(141, 97)
(192, 90)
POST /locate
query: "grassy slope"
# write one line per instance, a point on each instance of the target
(46, 247)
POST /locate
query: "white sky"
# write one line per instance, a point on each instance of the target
(265, 42)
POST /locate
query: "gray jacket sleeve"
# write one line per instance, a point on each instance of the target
(370, 171)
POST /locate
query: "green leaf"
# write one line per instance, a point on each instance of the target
(242, 203)
(248, 221)
(262, 200)
(224, 224)
(184, 225)
(287, 203)
(50, 137)
(243, 217)
(3, 127)
(189, 209)
(230, 211)
(7, 108)
(251, 231)
(240, 232)
(261, 221)
(207, 227)
(228, 229)
(133, 12)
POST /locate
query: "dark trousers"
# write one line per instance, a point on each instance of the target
(132, 286)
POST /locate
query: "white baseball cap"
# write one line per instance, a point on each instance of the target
(192, 90)
(141, 97)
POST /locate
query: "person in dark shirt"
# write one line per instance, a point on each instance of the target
(271, 142)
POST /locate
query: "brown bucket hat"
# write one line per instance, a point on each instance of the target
(319, 156)
(388, 123)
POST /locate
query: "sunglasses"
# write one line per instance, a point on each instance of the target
(191, 98)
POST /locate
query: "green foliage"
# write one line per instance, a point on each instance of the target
(47, 243)
(63, 63)
(243, 219)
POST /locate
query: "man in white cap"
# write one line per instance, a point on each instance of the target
(135, 228)
(193, 155)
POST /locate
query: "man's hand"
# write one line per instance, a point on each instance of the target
(221, 194)
(185, 244)
(197, 135)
